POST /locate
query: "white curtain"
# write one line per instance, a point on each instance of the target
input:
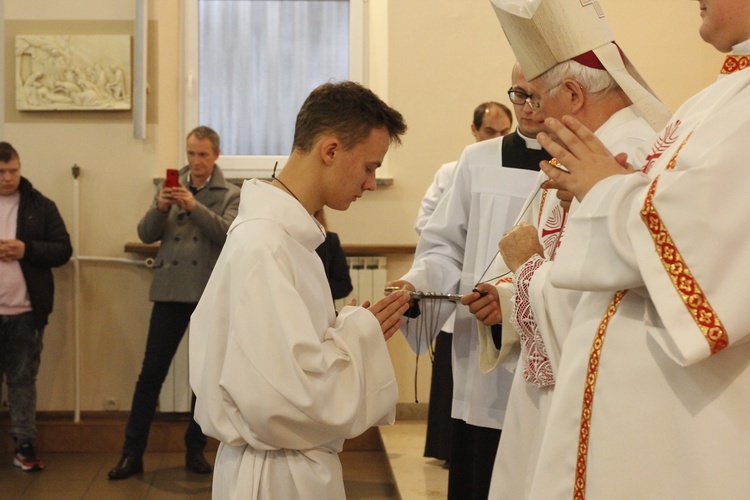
(259, 59)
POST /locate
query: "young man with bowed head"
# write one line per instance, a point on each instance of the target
(281, 379)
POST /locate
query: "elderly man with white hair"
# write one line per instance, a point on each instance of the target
(574, 68)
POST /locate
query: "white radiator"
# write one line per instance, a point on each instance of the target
(368, 281)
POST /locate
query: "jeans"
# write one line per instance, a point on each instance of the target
(20, 354)
(169, 320)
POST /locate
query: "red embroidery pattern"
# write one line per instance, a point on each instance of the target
(682, 278)
(734, 63)
(553, 230)
(579, 491)
(554, 225)
(664, 142)
(536, 366)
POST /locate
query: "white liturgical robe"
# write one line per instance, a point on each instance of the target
(533, 383)
(281, 380)
(652, 391)
(443, 178)
(455, 247)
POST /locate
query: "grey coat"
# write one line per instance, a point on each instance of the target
(190, 241)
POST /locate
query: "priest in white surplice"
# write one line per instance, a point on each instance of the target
(491, 181)
(280, 379)
(653, 385)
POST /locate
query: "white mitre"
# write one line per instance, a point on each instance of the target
(544, 33)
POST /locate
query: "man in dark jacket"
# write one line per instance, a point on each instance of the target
(191, 222)
(33, 239)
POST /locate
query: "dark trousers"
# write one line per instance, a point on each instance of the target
(169, 320)
(472, 459)
(439, 421)
(20, 353)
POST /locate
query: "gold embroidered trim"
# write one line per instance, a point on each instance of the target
(734, 63)
(682, 278)
(579, 491)
(555, 163)
(541, 208)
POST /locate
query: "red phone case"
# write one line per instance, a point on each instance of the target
(171, 180)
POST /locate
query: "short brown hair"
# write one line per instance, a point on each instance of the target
(204, 132)
(346, 110)
(7, 152)
(484, 107)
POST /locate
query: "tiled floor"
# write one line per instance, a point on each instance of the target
(84, 475)
(417, 477)
(366, 474)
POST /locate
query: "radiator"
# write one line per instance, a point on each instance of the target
(368, 282)
(368, 279)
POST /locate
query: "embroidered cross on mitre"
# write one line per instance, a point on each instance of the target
(735, 63)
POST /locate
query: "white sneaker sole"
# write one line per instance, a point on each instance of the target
(23, 467)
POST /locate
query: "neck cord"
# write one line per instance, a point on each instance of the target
(555, 163)
(288, 190)
(479, 281)
(274, 178)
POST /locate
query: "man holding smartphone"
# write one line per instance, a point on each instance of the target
(191, 221)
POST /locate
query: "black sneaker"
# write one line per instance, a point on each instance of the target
(26, 458)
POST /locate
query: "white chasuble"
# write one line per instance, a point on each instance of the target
(653, 386)
(544, 310)
(280, 380)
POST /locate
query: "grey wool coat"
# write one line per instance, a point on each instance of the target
(190, 241)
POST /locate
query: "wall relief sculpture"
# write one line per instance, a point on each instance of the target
(73, 72)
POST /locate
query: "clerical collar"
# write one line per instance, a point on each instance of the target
(738, 60)
(531, 143)
(742, 48)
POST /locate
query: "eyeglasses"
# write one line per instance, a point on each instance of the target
(521, 98)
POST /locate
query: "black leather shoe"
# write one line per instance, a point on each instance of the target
(126, 467)
(196, 462)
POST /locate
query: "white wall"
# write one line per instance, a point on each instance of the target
(434, 60)
(115, 189)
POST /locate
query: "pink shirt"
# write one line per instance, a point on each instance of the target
(14, 297)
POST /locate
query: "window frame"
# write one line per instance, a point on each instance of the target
(242, 166)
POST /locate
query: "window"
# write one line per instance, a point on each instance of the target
(253, 62)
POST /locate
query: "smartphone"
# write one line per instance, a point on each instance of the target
(171, 180)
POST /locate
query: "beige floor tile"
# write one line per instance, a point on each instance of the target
(417, 477)
(366, 474)
(57, 485)
(51, 495)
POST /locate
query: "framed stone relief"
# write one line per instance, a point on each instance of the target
(73, 72)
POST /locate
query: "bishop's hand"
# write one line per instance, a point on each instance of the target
(519, 245)
(587, 160)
